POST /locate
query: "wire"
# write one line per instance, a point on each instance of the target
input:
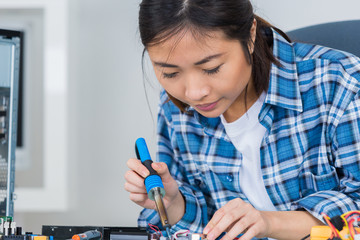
(183, 232)
(351, 228)
(155, 228)
(307, 236)
(334, 231)
(350, 218)
(347, 214)
(347, 225)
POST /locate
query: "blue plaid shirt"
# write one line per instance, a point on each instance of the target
(310, 154)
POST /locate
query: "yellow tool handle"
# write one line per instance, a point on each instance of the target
(324, 233)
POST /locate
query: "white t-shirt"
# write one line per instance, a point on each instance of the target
(246, 133)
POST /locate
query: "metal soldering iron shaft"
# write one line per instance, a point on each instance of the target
(161, 210)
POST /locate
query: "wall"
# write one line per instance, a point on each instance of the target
(107, 107)
(107, 111)
(289, 15)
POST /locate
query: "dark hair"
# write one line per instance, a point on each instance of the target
(160, 20)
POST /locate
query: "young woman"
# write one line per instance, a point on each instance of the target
(257, 135)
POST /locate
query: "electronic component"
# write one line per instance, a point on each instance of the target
(343, 227)
(7, 226)
(154, 236)
(131, 236)
(9, 230)
(88, 235)
(153, 183)
(66, 232)
(198, 236)
(192, 236)
(39, 237)
(115, 233)
(10, 42)
(16, 237)
(325, 232)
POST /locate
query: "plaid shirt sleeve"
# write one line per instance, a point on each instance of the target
(345, 151)
(195, 216)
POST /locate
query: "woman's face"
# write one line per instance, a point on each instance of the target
(207, 73)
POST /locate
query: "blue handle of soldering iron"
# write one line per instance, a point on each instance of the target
(142, 153)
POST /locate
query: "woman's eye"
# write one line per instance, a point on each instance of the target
(170, 75)
(212, 71)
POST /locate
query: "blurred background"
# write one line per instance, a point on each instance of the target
(85, 103)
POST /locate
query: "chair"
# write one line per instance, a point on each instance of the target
(343, 35)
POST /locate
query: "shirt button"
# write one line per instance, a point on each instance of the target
(197, 182)
(230, 177)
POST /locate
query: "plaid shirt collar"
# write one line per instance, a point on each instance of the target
(284, 89)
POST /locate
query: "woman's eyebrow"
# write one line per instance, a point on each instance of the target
(162, 64)
(205, 60)
(208, 58)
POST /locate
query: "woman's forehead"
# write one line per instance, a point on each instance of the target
(190, 40)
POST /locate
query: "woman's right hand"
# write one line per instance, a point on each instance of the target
(135, 184)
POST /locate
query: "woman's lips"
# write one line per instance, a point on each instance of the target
(207, 107)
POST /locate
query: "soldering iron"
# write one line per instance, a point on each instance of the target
(154, 186)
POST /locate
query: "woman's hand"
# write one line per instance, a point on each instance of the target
(135, 184)
(238, 217)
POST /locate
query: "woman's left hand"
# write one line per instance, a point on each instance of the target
(238, 217)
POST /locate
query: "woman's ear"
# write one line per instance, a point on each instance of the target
(251, 44)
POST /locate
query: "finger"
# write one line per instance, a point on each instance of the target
(250, 224)
(250, 233)
(212, 223)
(238, 228)
(134, 179)
(133, 188)
(136, 165)
(213, 229)
(235, 204)
(249, 217)
(142, 200)
(138, 197)
(226, 217)
(228, 220)
(208, 230)
(162, 169)
(230, 227)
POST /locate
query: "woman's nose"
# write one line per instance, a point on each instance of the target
(197, 89)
